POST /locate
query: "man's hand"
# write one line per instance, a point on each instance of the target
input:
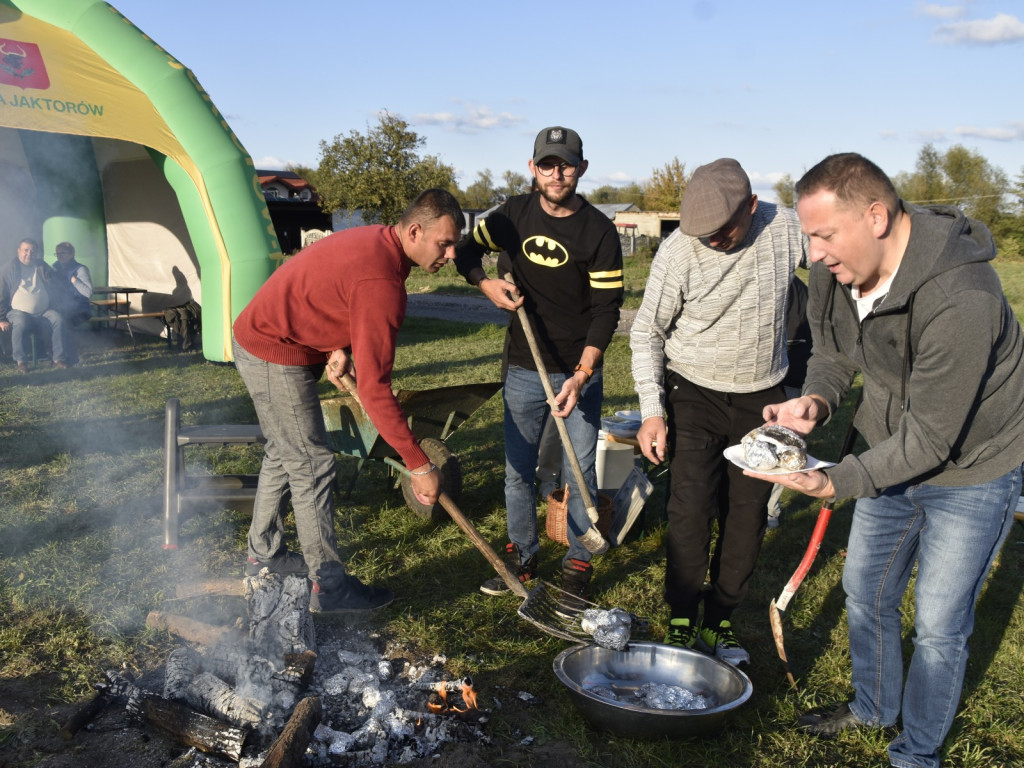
(502, 294)
(801, 414)
(426, 483)
(569, 395)
(5, 325)
(815, 483)
(653, 437)
(338, 364)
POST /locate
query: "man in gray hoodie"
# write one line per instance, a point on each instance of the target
(906, 296)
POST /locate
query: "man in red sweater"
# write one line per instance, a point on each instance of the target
(339, 302)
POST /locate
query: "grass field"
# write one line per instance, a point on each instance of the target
(81, 474)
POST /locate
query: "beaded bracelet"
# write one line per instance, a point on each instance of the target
(426, 471)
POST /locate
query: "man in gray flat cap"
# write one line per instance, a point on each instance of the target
(709, 352)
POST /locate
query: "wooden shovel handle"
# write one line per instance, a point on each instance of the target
(563, 433)
(455, 513)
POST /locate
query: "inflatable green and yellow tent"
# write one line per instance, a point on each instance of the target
(106, 140)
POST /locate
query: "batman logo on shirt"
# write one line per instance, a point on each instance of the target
(545, 251)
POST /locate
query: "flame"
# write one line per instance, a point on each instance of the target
(446, 707)
(469, 695)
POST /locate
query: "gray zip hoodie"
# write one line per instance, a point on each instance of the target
(942, 360)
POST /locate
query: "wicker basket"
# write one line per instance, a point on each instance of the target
(558, 500)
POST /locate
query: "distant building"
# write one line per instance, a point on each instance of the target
(659, 224)
(294, 206)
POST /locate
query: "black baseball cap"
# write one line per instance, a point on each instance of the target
(560, 142)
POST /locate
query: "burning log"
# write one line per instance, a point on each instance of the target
(84, 714)
(288, 750)
(193, 631)
(197, 730)
(180, 669)
(212, 695)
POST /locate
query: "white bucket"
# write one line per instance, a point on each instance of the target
(614, 462)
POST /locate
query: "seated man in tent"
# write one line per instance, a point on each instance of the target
(26, 283)
(72, 291)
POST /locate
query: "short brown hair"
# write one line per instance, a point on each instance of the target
(853, 179)
(431, 205)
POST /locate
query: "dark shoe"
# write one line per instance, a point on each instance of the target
(721, 643)
(828, 725)
(681, 633)
(60, 364)
(350, 597)
(22, 368)
(288, 564)
(523, 571)
(572, 601)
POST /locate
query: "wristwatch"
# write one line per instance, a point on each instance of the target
(584, 368)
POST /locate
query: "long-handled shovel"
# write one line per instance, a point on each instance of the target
(540, 604)
(592, 538)
(778, 605)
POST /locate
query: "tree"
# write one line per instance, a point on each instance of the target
(513, 184)
(630, 193)
(304, 172)
(481, 194)
(664, 190)
(785, 190)
(378, 174)
(967, 180)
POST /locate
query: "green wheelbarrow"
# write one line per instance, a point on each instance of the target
(434, 414)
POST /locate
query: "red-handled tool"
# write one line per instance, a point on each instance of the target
(778, 605)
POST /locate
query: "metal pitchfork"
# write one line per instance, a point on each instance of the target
(778, 605)
(540, 604)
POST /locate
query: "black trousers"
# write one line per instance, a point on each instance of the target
(706, 488)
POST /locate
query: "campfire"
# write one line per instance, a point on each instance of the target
(280, 692)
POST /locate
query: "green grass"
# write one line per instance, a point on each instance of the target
(81, 474)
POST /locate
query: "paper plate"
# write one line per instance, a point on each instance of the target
(734, 453)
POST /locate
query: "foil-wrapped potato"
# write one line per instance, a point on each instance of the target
(774, 447)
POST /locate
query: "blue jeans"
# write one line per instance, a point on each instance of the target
(50, 322)
(953, 534)
(526, 411)
(298, 464)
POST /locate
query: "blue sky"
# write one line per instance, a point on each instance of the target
(776, 85)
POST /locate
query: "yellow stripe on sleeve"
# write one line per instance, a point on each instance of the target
(480, 234)
(609, 279)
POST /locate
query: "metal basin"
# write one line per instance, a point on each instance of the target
(582, 666)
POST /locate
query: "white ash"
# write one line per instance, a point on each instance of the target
(662, 696)
(609, 628)
(375, 707)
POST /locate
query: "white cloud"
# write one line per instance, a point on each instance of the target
(1011, 132)
(935, 11)
(930, 137)
(472, 120)
(270, 163)
(1002, 28)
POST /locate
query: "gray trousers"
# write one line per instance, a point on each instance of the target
(298, 465)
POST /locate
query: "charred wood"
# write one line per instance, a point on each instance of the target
(449, 686)
(85, 712)
(212, 695)
(279, 617)
(288, 750)
(182, 665)
(183, 723)
(193, 631)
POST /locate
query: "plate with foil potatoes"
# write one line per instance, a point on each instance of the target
(736, 454)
